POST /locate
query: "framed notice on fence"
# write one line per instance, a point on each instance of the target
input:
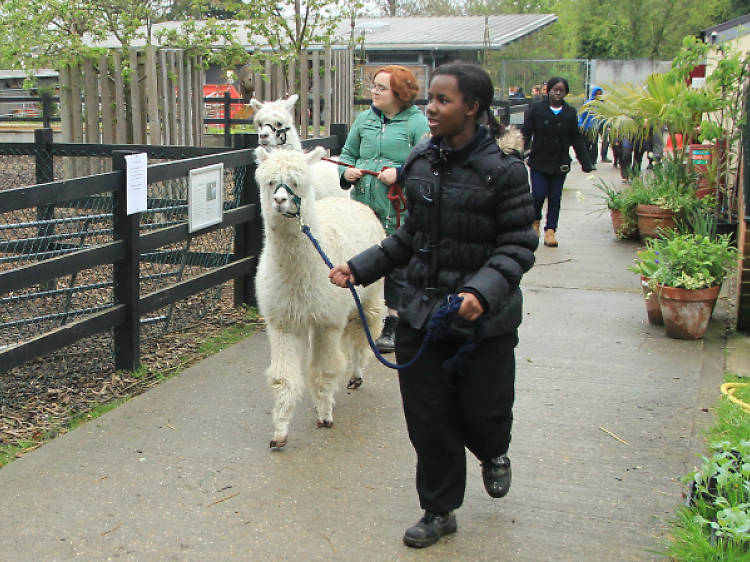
(205, 196)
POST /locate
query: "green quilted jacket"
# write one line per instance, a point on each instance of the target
(374, 144)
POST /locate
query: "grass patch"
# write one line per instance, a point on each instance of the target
(716, 524)
(9, 453)
(145, 379)
(95, 412)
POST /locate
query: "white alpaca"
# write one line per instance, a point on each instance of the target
(314, 331)
(274, 122)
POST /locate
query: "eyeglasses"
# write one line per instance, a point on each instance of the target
(379, 88)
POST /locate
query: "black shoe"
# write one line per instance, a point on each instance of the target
(496, 475)
(429, 529)
(606, 160)
(385, 343)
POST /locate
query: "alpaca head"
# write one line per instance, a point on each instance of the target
(283, 180)
(274, 122)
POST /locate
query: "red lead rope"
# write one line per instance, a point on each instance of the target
(395, 193)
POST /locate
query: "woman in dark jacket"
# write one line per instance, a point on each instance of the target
(468, 232)
(550, 127)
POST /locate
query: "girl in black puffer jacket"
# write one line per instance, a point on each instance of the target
(468, 232)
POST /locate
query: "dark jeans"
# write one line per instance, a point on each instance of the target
(592, 145)
(549, 187)
(447, 412)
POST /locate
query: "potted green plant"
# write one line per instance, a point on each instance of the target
(665, 197)
(688, 278)
(621, 206)
(646, 263)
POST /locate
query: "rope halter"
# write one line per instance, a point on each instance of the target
(296, 200)
(280, 132)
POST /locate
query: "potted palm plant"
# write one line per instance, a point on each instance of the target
(688, 279)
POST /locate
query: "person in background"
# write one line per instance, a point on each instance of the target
(605, 145)
(550, 128)
(536, 93)
(380, 140)
(468, 233)
(591, 126)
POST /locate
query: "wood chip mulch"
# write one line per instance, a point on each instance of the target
(38, 400)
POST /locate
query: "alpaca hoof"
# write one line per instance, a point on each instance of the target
(354, 382)
(277, 443)
(325, 423)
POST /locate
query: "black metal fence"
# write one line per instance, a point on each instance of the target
(74, 264)
(43, 109)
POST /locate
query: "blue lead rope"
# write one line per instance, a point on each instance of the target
(438, 327)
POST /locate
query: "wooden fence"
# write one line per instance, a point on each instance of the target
(155, 96)
(130, 242)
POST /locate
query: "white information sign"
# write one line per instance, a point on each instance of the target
(205, 196)
(136, 183)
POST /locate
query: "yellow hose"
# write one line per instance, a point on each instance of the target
(728, 389)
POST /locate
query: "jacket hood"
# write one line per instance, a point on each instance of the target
(403, 114)
(512, 141)
(593, 92)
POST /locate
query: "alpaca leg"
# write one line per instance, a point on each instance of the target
(285, 379)
(327, 368)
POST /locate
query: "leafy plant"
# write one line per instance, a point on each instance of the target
(723, 474)
(647, 261)
(720, 492)
(693, 261)
(671, 186)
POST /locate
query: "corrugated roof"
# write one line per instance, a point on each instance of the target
(729, 29)
(448, 32)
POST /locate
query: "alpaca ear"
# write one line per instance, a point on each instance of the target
(256, 104)
(315, 155)
(291, 100)
(261, 154)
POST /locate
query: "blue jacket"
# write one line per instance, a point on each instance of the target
(586, 120)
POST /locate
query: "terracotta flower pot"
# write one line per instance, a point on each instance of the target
(653, 310)
(687, 312)
(629, 232)
(651, 219)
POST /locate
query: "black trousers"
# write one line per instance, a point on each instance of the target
(447, 412)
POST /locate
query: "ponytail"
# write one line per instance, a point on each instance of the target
(496, 128)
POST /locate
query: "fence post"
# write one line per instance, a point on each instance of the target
(248, 237)
(44, 174)
(227, 119)
(339, 130)
(126, 274)
(46, 110)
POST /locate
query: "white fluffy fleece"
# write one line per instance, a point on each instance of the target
(274, 122)
(315, 333)
(511, 141)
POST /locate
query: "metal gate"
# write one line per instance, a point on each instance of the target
(525, 73)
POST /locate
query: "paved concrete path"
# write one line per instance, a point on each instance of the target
(184, 472)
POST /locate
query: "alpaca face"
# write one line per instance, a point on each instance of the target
(282, 177)
(273, 121)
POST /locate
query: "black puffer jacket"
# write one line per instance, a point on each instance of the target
(468, 230)
(551, 136)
